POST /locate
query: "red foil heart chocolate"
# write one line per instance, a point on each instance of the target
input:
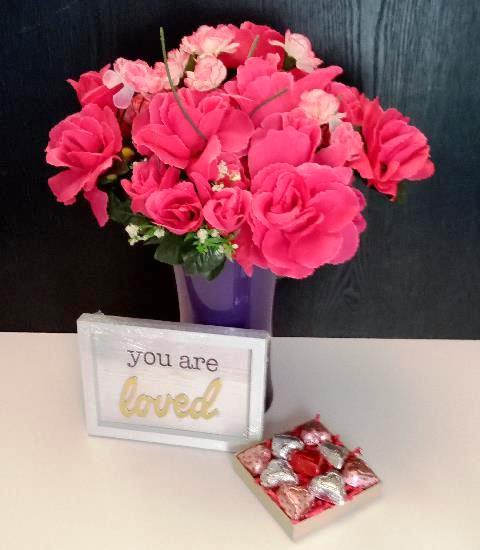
(308, 463)
(295, 501)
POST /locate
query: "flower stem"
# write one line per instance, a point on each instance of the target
(268, 100)
(174, 89)
(253, 47)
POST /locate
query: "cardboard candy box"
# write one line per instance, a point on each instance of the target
(306, 477)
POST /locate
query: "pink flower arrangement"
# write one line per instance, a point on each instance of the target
(237, 146)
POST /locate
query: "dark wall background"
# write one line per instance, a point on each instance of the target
(417, 274)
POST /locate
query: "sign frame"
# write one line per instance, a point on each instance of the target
(256, 342)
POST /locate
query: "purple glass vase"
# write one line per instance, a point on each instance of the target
(233, 299)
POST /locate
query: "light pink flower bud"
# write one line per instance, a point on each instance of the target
(209, 73)
(320, 106)
(300, 48)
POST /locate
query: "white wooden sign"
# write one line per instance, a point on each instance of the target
(161, 382)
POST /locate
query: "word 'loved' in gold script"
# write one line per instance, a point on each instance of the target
(132, 404)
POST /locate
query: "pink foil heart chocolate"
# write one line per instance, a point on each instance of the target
(357, 474)
(255, 459)
(295, 501)
(314, 433)
(329, 487)
(278, 472)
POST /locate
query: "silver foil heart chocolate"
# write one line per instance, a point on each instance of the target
(278, 472)
(284, 444)
(295, 501)
(357, 474)
(255, 459)
(315, 433)
(335, 454)
(329, 487)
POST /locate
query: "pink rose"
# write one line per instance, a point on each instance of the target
(208, 74)
(164, 131)
(210, 41)
(86, 143)
(177, 208)
(299, 48)
(259, 80)
(177, 61)
(90, 89)
(395, 150)
(302, 218)
(291, 138)
(147, 177)
(245, 35)
(228, 209)
(320, 106)
(345, 146)
(134, 76)
(351, 101)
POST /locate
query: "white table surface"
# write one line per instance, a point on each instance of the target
(412, 405)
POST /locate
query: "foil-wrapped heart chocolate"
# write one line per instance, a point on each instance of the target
(314, 433)
(357, 474)
(255, 459)
(296, 501)
(335, 454)
(329, 487)
(278, 472)
(284, 444)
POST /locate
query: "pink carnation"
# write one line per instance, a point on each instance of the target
(147, 177)
(134, 76)
(228, 209)
(177, 208)
(208, 74)
(164, 131)
(345, 146)
(86, 143)
(245, 36)
(302, 218)
(299, 48)
(90, 89)
(210, 41)
(395, 150)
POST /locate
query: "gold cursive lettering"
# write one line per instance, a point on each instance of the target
(131, 404)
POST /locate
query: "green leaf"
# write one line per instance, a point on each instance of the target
(139, 220)
(207, 264)
(216, 271)
(289, 63)
(169, 249)
(119, 211)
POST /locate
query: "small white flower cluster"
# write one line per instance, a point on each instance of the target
(203, 234)
(134, 232)
(224, 172)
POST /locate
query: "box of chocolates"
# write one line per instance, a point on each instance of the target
(307, 477)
